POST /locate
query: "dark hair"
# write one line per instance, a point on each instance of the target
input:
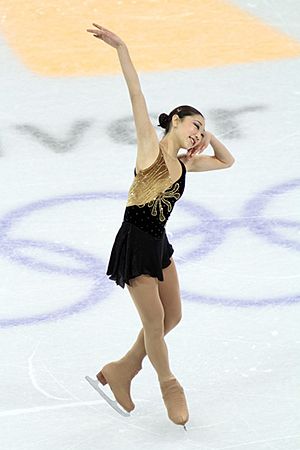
(182, 111)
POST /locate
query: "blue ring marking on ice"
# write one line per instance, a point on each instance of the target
(9, 249)
(214, 228)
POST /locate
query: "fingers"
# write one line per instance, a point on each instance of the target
(99, 32)
(96, 34)
(198, 149)
(203, 144)
(95, 31)
(100, 28)
(201, 148)
(191, 153)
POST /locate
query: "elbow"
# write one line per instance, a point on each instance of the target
(231, 162)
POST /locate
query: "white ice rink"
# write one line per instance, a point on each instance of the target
(67, 155)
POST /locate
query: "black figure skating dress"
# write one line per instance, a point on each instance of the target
(141, 245)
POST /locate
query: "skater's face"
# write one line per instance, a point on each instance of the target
(189, 130)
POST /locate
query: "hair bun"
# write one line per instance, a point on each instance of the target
(164, 120)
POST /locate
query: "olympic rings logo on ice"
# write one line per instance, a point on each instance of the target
(215, 231)
(92, 268)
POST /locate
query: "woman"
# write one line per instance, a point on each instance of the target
(141, 255)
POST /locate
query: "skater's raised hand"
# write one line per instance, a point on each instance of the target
(203, 144)
(107, 36)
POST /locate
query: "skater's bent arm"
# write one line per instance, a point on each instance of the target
(221, 152)
(222, 158)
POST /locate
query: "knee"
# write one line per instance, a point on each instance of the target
(171, 322)
(154, 326)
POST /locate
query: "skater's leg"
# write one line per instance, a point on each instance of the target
(169, 293)
(145, 294)
(121, 372)
(166, 295)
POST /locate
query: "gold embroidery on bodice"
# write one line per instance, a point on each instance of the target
(162, 199)
(149, 186)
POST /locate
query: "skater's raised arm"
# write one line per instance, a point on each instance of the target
(146, 134)
(128, 69)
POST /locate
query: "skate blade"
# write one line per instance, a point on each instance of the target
(96, 385)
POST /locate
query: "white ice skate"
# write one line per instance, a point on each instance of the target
(112, 403)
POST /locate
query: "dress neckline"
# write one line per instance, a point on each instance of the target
(161, 155)
(181, 163)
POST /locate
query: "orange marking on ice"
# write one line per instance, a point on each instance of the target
(51, 38)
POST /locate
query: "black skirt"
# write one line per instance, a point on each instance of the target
(136, 252)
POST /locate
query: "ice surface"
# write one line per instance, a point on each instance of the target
(67, 154)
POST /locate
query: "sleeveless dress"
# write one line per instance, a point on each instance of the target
(141, 245)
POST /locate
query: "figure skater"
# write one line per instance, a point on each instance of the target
(141, 256)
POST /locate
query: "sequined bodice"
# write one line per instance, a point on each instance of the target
(152, 196)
